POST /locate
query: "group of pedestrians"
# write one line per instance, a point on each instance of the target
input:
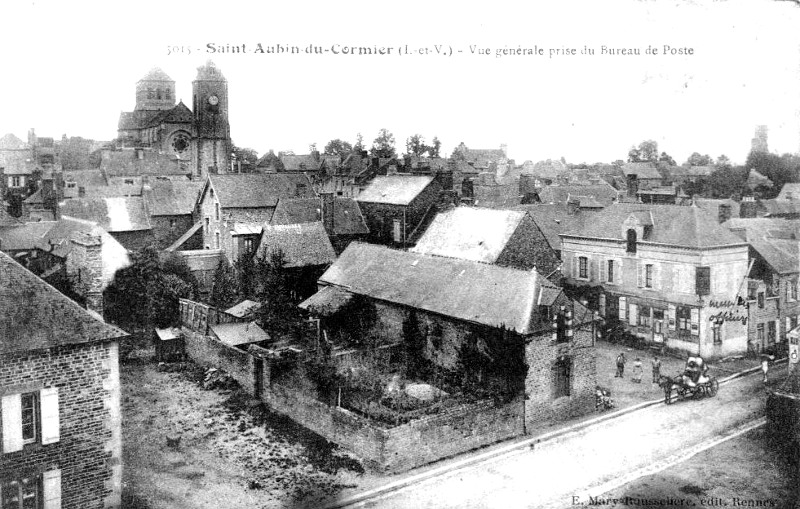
(636, 377)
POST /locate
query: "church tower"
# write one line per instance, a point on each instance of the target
(155, 91)
(212, 131)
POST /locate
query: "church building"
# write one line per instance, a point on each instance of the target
(199, 137)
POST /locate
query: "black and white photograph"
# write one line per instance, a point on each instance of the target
(401, 255)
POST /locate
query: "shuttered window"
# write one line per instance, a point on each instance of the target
(623, 307)
(30, 418)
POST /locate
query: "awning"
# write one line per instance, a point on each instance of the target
(234, 334)
(327, 301)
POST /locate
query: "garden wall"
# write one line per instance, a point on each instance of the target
(209, 351)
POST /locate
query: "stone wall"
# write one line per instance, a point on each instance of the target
(528, 248)
(85, 266)
(168, 229)
(209, 351)
(88, 451)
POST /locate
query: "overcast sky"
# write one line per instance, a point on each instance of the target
(71, 67)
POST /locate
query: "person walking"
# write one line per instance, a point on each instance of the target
(765, 365)
(656, 363)
(637, 371)
(620, 365)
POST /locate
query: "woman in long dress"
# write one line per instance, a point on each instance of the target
(637, 371)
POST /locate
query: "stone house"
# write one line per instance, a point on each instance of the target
(126, 218)
(508, 238)
(60, 395)
(641, 176)
(171, 205)
(671, 274)
(772, 291)
(454, 299)
(396, 207)
(341, 217)
(234, 207)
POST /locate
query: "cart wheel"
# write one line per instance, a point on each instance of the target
(714, 387)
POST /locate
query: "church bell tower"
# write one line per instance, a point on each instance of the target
(210, 110)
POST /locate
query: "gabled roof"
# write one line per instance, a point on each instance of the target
(303, 245)
(691, 171)
(394, 189)
(156, 74)
(711, 205)
(115, 214)
(170, 198)
(779, 207)
(258, 190)
(35, 316)
(244, 309)
(775, 240)
(10, 141)
(209, 72)
(25, 236)
(789, 191)
(239, 333)
(347, 217)
(554, 219)
(303, 162)
(180, 114)
(127, 162)
(16, 162)
(461, 289)
(755, 179)
(672, 225)
(469, 233)
(7, 219)
(644, 170)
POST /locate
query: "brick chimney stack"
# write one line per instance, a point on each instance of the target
(86, 262)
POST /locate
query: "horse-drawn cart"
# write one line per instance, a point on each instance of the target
(693, 382)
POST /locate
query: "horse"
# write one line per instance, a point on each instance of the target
(668, 383)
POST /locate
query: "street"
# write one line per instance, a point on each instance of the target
(567, 470)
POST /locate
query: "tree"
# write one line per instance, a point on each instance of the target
(697, 159)
(246, 156)
(247, 283)
(666, 158)
(383, 145)
(271, 160)
(279, 314)
(359, 145)
(779, 169)
(223, 289)
(312, 147)
(723, 161)
(647, 151)
(415, 145)
(435, 147)
(337, 147)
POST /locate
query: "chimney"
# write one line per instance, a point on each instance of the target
(748, 207)
(573, 205)
(85, 264)
(328, 206)
(724, 212)
(633, 185)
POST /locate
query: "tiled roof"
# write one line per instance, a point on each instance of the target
(775, 240)
(469, 233)
(305, 162)
(180, 114)
(347, 217)
(672, 225)
(170, 198)
(780, 207)
(7, 219)
(712, 206)
(554, 219)
(85, 178)
(303, 245)
(258, 190)
(116, 214)
(602, 193)
(10, 141)
(244, 308)
(641, 170)
(691, 171)
(465, 290)
(156, 74)
(126, 162)
(34, 315)
(394, 189)
(789, 191)
(755, 179)
(25, 236)
(551, 168)
(239, 333)
(16, 162)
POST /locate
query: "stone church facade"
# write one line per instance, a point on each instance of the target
(200, 135)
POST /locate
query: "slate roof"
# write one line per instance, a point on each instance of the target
(239, 333)
(712, 205)
(672, 225)
(244, 308)
(179, 114)
(16, 162)
(461, 289)
(126, 162)
(602, 193)
(258, 190)
(10, 141)
(789, 191)
(755, 179)
(347, 216)
(469, 233)
(553, 220)
(780, 207)
(85, 178)
(7, 219)
(303, 162)
(641, 170)
(24, 237)
(115, 214)
(34, 315)
(171, 198)
(303, 245)
(394, 189)
(327, 301)
(691, 171)
(775, 240)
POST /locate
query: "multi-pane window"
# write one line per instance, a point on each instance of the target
(760, 333)
(16, 181)
(716, 333)
(248, 245)
(583, 267)
(648, 276)
(610, 271)
(644, 316)
(684, 318)
(29, 405)
(20, 493)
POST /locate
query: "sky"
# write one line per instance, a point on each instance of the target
(70, 67)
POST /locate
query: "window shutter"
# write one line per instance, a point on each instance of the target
(671, 318)
(12, 423)
(603, 264)
(602, 304)
(590, 269)
(623, 307)
(618, 272)
(639, 275)
(695, 316)
(633, 314)
(575, 266)
(51, 488)
(49, 409)
(657, 276)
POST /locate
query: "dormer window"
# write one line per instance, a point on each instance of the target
(631, 238)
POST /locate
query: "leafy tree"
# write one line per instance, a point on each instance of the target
(435, 147)
(246, 156)
(271, 160)
(337, 147)
(779, 169)
(666, 158)
(646, 151)
(312, 147)
(279, 314)
(246, 278)
(697, 159)
(383, 145)
(163, 299)
(723, 161)
(223, 289)
(415, 145)
(359, 145)
(726, 182)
